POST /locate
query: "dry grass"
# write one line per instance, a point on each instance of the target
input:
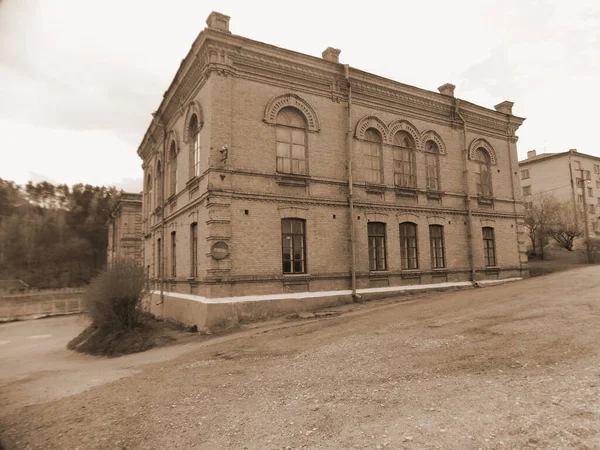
(556, 260)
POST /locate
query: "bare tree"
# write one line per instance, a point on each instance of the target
(566, 226)
(540, 212)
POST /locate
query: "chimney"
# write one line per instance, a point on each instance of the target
(573, 150)
(505, 107)
(531, 154)
(447, 89)
(218, 21)
(331, 54)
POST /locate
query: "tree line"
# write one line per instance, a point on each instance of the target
(53, 236)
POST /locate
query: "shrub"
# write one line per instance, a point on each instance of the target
(114, 298)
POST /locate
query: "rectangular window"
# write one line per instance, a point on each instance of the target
(524, 174)
(377, 256)
(173, 255)
(291, 150)
(587, 175)
(408, 246)
(194, 250)
(596, 168)
(489, 246)
(577, 165)
(580, 198)
(578, 182)
(597, 184)
(293, 241)
(526, 190)
(436, 242)
(589, 192)
(197, 155)
(158, 258)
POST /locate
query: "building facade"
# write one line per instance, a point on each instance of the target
(270, 172)
(125, 237)
(571, 177)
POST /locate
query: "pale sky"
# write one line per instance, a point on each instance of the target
(79, 79)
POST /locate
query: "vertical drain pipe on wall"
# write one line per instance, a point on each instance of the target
(350, 182)
(468, 192)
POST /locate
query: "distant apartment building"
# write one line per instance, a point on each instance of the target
(125, 237)
(565, 175)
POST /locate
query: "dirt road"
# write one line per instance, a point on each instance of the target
(511, 366)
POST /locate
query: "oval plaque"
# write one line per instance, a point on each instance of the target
(219, 250)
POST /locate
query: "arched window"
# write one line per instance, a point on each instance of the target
(159, 184)
(148, 202)
(377, 249)
(432, 166)
(405, 166)
(293, 245)
(372, 147)
(194, 140)
(408, 246)
(291, 142)
(484, 173)
(173, 169)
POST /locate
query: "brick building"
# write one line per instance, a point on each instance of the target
(564, 175)
(269, 172)
(125, 237)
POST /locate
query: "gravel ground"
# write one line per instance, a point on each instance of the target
(511, 366)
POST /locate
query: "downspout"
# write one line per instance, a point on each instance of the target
(161, 263)
(512, 186)
(350, 187)
(468, 192)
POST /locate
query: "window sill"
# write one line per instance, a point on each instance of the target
(379, 273)
(485, 201)
(435, 195)
(410, 273)
(492, 269)
(291, 179)
(405, 191)
(375, 188)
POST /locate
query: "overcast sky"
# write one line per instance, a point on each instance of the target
(80, 79)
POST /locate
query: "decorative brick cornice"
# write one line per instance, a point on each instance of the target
(293, 100)
(482, 143)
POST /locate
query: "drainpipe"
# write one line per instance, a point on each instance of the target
(350, 187)
(161, 264)
(468, 192)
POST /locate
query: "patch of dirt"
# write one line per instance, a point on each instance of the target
(150, 333)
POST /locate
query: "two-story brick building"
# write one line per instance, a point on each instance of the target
(125, 238)
(271, 174)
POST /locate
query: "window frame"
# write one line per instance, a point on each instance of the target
(484, 173)
(525, 174)
(291, 237)
(408, 158)
(406, 261)
(173, 254)
(487, 247)
(159, 258)
(290, 132)
(194, 145)
(377, 246)
(435, 249)
(368, 154)
(194, 249)
(172, 169)
(435, 154)
(526, 190)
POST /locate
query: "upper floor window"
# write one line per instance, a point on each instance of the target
(293, 241)
(526, 190)
(432, 166)
(173, 254)
(377, 250)
(405, 165)
(436, 242)
(194, 249)
(524, 174)
(148, 193)
(596, 168)
(408, 246)
(194, 139)
(291, 142)
(372, 146)
(489, 246)
(484, 173)
(159, 184)
(173, 169)
(577, 165)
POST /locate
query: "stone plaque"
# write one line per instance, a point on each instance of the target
(219, 250)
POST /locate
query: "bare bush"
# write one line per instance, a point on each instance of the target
(114, 298)
(566, 226)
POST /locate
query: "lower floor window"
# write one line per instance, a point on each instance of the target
(489, 247)
(293, 239)
(436, 240)
(377, 257)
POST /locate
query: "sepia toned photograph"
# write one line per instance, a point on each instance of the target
(296, 226)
